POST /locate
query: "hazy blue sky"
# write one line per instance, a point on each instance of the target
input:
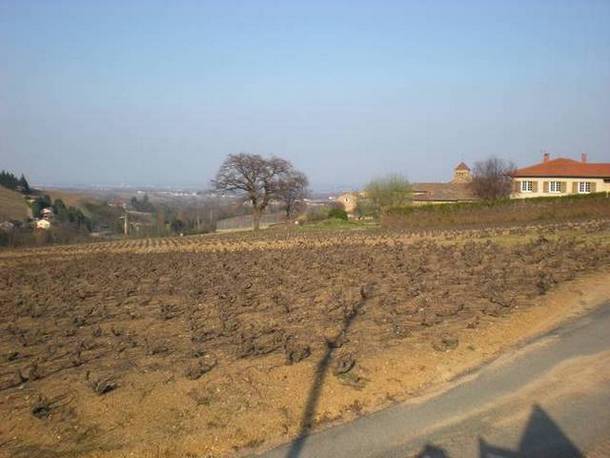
(158, 92)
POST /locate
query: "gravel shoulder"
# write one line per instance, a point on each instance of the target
(548, 398)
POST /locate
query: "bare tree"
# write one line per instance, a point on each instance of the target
(491, 179)
(292, 191)
(255, 177)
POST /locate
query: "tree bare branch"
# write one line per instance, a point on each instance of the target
(491, 179)
(258, 179)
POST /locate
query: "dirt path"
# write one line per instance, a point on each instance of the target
(549, 398)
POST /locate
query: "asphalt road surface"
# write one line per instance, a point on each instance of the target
(550, 398)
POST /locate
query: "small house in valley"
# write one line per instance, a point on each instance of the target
(47, 213)
(349, 200)
(561, 176)
(44, 224)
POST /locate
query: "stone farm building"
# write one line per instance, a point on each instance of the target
(456, 190)
(349, 200)
(561, 176)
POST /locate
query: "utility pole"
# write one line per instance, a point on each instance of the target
(126, 222)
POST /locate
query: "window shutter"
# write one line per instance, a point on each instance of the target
(593, 186)
(545, 186)
(575, 187)
(516, 186)
(564, 187)
(535, 186)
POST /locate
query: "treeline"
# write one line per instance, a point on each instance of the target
(145, 218)
(143, 205)
(178, 218)
(10, 181)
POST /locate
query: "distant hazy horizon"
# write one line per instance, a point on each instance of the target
(158, 93)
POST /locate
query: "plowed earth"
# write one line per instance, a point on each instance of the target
(202, 346)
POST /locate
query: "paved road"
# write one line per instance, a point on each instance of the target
(550, 398)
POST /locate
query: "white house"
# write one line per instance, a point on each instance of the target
(43, 224)
(561, 176)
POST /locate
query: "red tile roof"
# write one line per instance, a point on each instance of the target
(562, 167)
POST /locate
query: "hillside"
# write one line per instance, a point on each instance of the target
(12, 205)
(73, 198)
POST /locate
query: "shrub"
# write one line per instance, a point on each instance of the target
(499, 212)
(382, 194)
(314, 214)
(364, 208)
(337, 213)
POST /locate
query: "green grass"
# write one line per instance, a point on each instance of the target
(12, 205)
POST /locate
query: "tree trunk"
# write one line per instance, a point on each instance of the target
(256, 218)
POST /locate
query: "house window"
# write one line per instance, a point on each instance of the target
(584, 187)
(555, 186)
(527, 186)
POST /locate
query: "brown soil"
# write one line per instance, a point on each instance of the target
(209, 345)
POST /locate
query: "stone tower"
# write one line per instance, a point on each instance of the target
(461, 174)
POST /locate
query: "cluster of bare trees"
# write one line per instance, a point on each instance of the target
(262, 180)
(492, 179)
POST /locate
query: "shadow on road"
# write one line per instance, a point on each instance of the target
(542, 437)
(431, 451)
(321, 372)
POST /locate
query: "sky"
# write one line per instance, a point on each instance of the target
(159, 92)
